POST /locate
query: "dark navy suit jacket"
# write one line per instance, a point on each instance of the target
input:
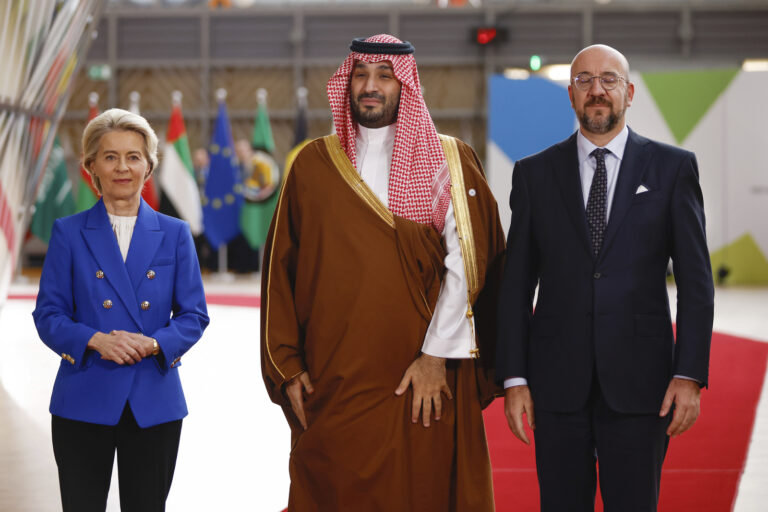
(83, 269)
(607, 316)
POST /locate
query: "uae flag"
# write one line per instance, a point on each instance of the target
(177, 176)
(87, 195)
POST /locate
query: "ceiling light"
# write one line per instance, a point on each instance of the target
(516, 74)
(755, 65)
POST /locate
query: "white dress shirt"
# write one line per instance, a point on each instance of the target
(450, 332)
(123, 228)
(588, 164)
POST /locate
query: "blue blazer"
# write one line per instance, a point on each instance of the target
(86, 287)
(607, 316)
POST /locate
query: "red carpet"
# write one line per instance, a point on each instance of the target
(253, 301)
(702, 469)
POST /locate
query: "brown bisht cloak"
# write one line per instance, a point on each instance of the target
(348, 291)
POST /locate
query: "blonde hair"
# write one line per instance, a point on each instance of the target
(116, 119)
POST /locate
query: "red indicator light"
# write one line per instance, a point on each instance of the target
(485, 35)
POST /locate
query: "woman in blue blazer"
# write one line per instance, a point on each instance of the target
(121, 300)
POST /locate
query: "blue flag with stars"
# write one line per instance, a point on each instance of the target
(223, 189)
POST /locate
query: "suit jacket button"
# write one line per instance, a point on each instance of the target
(99, 274)
(151, 274)
(107, 304)
(596, 275)
(145, 305)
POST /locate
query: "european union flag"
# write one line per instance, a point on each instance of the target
(223, 188)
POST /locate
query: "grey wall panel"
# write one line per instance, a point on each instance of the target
(446, 35)
(546, 33)
(246, 37)
(737, 33)
(641, 33)
(329, 36)
(99, 49)
(158, 38)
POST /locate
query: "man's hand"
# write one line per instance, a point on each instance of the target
(427, 376)
(120, 346)
(685, 395)
(517, 400)
(295, 391)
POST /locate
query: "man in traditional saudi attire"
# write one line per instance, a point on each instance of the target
(378, 295)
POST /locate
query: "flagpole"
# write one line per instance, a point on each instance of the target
(223, 260)
(135, 98)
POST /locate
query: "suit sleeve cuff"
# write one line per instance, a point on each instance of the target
(515, 381)
(687, 378)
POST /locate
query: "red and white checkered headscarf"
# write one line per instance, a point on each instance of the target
(419, 181)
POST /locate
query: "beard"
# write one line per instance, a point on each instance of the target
(374, 118)
(603, 124)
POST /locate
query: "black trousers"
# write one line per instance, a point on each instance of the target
(85, 453)
(629, 449)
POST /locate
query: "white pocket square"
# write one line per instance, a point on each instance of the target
(641, 189)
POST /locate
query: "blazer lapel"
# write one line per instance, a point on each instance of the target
(569, 181)
(632, 168)
(145, 242)
(102, 243)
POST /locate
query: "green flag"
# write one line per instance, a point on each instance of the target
(54, 198)
(261, 183)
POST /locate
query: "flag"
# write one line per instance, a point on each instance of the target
(223, 188)
(262, 181)
(54, 198)
(301, 131)
(177, 176)
(87, 195)
(149, 192)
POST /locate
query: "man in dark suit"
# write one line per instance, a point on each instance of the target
(595, 221)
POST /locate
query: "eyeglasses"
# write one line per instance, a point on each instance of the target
(609, 81)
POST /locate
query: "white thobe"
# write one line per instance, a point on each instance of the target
(450, 333)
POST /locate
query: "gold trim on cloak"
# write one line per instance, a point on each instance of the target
(354, 180)
(464, 228)
(269, 274)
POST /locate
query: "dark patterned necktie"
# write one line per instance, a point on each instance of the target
(598, 194)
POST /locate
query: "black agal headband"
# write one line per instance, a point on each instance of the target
(360, 45)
